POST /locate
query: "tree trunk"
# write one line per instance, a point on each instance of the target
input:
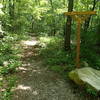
(68, 27)
(53, 31)
(11, 14)
(98, 37)
(87, 22)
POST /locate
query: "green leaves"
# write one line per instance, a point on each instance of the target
(1, 12)
(53, 53)
(8, 59)
(7, 93)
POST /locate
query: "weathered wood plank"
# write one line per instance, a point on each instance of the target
(80, 13)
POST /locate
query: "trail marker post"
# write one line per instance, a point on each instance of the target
(80, 17)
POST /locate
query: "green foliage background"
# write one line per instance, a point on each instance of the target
(45, 18)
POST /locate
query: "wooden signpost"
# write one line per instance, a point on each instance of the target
(80, 17)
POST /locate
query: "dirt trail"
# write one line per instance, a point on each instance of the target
(36, 82)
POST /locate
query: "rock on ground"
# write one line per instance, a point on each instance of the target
(86, 76)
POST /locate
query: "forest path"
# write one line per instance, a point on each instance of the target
(35, 82)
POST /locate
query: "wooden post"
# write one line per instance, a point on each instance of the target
(79, 19)
(78, 43)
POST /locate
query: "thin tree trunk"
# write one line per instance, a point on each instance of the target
(98, 35)
(53, 20)
(68, 27)
(11, 14)
(87, 22)
(64, 2)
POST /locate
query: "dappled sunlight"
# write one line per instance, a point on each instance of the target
(22, 69)
(29, 53)
(37, 71)
(22, 87)
(30, 43)
(1, 12)
(45, 39)
(24, 65)
(1, 78)
(26, 88)
(35, 92)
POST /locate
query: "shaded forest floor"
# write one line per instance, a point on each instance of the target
(36, 82)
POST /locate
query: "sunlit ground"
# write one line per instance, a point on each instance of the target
(27, 68)
(30, 43)
(22, 69)
(22, 87)
(27, 88)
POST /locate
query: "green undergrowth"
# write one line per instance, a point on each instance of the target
(91, 57)
(54, 56)
(62, 62)
(90, 50)
(9, 62)
(7, 84)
